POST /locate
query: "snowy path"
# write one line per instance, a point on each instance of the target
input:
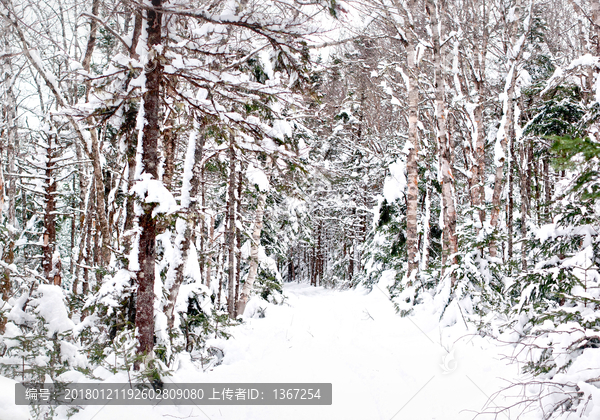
(381, 366)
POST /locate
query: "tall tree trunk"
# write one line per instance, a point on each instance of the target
(254, 248)
(238, 238)
(11, 150)
(100, 200)
(547, 193)
(444, 143)
(95, 147)
(169, 143)
(510, 203)
(86, 198)
(507, 124)
(131, 141)
(83, 197)
(525, 177)
(137, 30)
(85, 287)
(595, 12)
(11, 190)
(5, 285)
(220, 272)
(479, 80)
(144, 319)
(130, 153)
(189, 192)
(209, 252)
(499, 177)
(412, 166)
(231, 231)
(73, 229)
(202, 222)
(313, 266)
(50, 209)
(426, 228)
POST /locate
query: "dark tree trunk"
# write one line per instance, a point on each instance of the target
(510, 204)
(49, 211)
(169, 140)
(8, 254)
(238, 240)
(95, 147)
(202, 221)
(131, 148)
(144, 319)
(231, 231)
(548, 217)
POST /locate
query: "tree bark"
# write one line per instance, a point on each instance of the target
(11, 131)
(547, 192)
(507, 126)
(188, 204)
(412, 166)
(231, 231)
(479, 80)
(255, 246)
(11, 135)
(49, 238)
(510, 203)
(144, 319)
(130, 153)
(595, 12)
(95, 148)
(169, 141)
(211, 240)
(525, 177)
(444, 143)
(238, 239)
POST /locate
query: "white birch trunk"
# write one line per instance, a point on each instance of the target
(258, 225)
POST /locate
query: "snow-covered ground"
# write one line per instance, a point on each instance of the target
(381, 366)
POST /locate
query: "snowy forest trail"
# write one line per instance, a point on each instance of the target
(382, 366)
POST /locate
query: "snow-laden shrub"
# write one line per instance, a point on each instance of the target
(555, 302)
(108, 331)
(475, 281)
(38, 339)
(556, 321)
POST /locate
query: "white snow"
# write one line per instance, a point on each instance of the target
(257, 177)
(154, 191)
(49, 304)
(584, 60)
(188, 170)
(381, 366)
(8, 409)
(395, 184)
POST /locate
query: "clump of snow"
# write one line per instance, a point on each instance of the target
(188, 290)
(192, 267)
(49, 304)
(584, 60)
(395, 184)
(281, 129)
(17, 314)
(188, 170)
(257, 177)
(113, 287)
(153, 191)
